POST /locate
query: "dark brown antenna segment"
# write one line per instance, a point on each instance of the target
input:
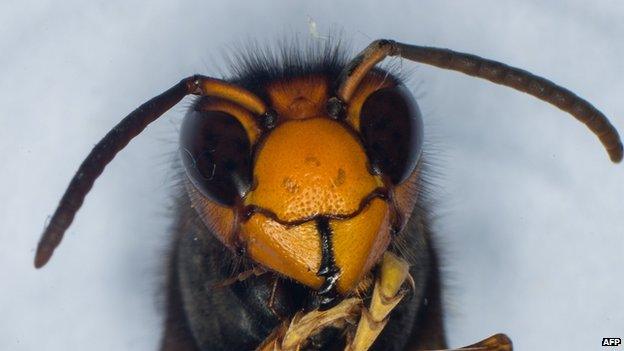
(129, 127)
(493, 71)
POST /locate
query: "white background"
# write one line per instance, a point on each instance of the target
(530, 210)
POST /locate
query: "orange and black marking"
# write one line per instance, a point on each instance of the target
(311, 193)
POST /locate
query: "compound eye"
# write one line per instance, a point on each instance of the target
(216, 154)
(392, 130)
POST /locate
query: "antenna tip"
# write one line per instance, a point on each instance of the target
(616, 153)
(42, 256)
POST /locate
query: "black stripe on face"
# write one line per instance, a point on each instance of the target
(328, 268)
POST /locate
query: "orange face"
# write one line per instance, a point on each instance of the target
(306, 169)
(314, 210)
